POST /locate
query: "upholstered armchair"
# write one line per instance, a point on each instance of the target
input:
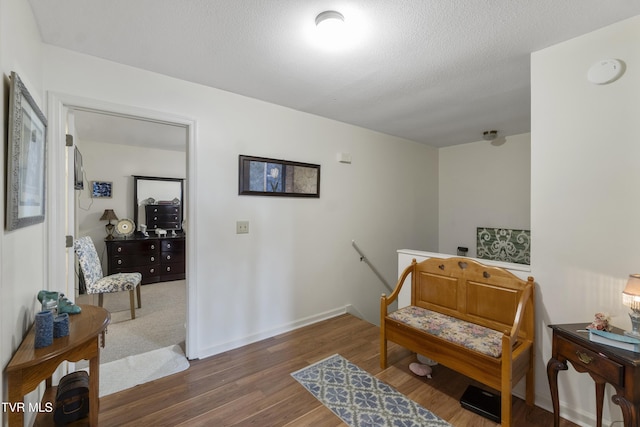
(99, 284)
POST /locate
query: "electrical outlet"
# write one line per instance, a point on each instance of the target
(242, 227)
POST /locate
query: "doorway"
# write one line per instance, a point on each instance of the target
(92, 117)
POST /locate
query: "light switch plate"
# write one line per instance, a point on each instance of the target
(242, 227)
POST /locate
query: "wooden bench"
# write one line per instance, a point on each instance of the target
(475, 319)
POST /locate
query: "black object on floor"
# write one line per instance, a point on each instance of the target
(482, 402)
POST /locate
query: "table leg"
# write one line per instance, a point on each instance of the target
(16, 409)
(553, 366)
(629, 410)
(599, 401)
(94, 386)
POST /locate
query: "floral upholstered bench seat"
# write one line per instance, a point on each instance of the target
(475, 337)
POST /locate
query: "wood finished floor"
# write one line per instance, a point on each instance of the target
(252, 385)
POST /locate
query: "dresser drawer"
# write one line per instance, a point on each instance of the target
(162, 210)
(164, 224)
(584, 359)
(133, 247)
(172, 268)
(172, 257)
(134, 260)
(169, 245)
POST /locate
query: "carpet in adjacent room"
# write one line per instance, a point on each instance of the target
(141, 368)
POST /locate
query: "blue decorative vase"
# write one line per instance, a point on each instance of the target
(44, 329)
(61, 325)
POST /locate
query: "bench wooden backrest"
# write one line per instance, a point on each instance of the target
(468, 290)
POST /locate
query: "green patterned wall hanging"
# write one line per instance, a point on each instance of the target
(504, 244)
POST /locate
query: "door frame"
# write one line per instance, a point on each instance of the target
(56, 188)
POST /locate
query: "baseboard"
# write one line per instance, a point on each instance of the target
(249, 339)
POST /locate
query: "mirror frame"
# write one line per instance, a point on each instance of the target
(137, 178)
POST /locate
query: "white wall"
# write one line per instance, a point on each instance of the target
(483, 185)
(118, 163)
(22, 251)
(585, 215)
(297, 263)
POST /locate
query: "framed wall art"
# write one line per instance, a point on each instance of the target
(101, 189)
(26, 158)
(259, 176)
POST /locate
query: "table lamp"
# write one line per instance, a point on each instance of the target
(631, 298)
(109, 215)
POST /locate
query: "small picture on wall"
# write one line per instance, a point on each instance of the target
(101, 189)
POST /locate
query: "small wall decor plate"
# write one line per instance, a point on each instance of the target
(125, 227)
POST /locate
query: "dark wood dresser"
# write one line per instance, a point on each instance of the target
(159, 259)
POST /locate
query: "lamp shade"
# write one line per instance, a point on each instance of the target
(108, 215)
(631, 293)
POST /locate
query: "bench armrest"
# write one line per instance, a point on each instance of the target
(525, 305)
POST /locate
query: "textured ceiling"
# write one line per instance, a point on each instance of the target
(439, 72)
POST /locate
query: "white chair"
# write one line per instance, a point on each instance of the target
(99, 284)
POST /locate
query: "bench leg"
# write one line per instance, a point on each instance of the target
(132, 303)
(506, 408)
(383, 352)
(530, 390)
(139, 298)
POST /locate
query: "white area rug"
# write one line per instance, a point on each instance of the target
(141, 368)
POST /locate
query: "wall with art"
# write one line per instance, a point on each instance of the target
(484, 184)
(23, 254)
(296, 265)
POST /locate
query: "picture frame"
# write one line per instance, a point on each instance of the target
(26, 158)
(101, 189)
(261, 176)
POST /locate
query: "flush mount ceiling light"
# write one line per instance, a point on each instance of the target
(489, 135)
(330, 26)
(329, 18)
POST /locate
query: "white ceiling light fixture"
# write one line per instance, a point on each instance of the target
(329, 19)
(331, 28)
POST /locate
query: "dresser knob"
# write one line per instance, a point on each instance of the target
(119, 249)
(152, 270)
(168, 257)
(168, 268)
(584, 358)
(153, 259)
(119, 261)
(168, 245)
(153, 246)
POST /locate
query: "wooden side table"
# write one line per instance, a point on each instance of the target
(605, 364)
(30, 366)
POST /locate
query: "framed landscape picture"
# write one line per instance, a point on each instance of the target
(101, 189)
(261, 176)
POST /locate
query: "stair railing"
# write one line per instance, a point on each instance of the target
(364, 259)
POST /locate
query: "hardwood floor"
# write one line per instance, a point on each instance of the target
(252, 385)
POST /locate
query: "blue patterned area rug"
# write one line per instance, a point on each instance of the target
(359, 398)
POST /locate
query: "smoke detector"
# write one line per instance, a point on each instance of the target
(490, 135)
